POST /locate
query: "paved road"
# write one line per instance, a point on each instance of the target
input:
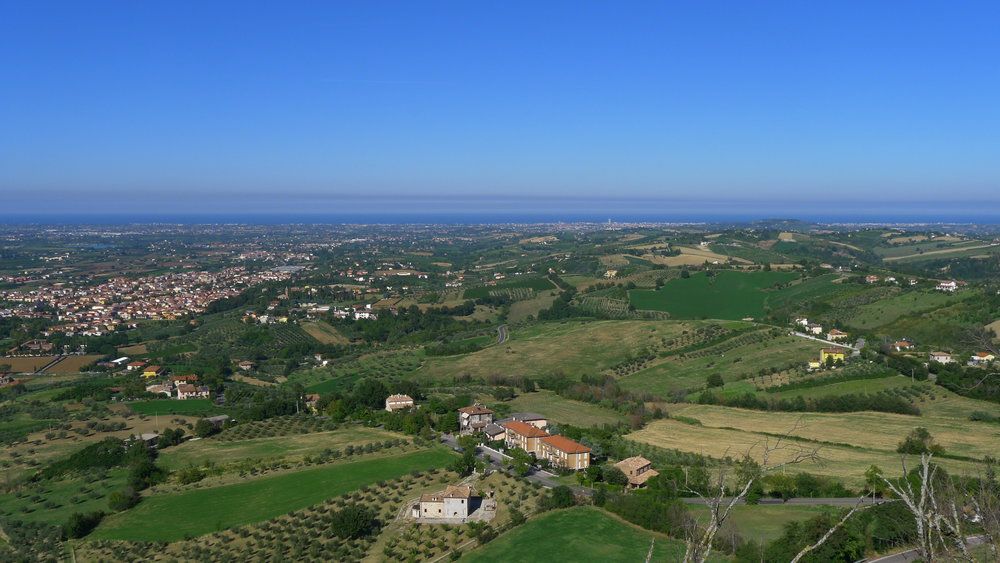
(496, 459)
(802, 501)
(501, 334)
(810, 337)
(911, 555)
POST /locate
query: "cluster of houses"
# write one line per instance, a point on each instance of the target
(526, 431)
(180, 387)
(979, 359)
(949, 286)
(95, 310)
(834, 334)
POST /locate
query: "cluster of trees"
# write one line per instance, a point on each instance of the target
(919, 441)
(852, 402)
(877, 528)
(251, 402)
(411, 325)
(366, 402)
(453, 348)
(970, 382)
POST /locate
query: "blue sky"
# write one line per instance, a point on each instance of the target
(483, 107)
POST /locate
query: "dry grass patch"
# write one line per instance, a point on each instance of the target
(995, 327)
(843, 462)
(324, 333)
(26, 363)
(875, 430)
(133, 350)
(73, 364)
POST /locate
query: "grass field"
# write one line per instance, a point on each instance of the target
(886, 311)
(521, 310)
(219, 452)
(324, 333)
(674, 374)
(572, 347)
(577, 534)
(564, 411)
(536, 284)
(172, 406)
(70, 495)
(727, 295)
(764, 523)
(850, 442)
(193, 513)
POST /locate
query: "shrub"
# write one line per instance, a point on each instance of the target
(81, 524)
(353, 522)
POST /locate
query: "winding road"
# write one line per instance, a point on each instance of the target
(501, 334)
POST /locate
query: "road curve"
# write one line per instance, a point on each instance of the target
(911, 554)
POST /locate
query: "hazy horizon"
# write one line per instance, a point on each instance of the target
(769, 109)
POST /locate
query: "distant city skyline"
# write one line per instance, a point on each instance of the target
(767, 109)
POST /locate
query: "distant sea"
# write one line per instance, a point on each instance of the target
(986, 217)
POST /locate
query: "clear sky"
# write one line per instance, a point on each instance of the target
(497, 106)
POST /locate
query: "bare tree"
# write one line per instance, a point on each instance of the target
(699, 540)
(807, 549)
(940, 510)
(917, 502)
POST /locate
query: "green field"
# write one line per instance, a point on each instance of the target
(727, 295)
(688, 373)
(65, 497)
(764, 523)
(219, 452)
(192, 407)
(170, 517)
(536, 284)
(564, 411)
(577, 534)
(572, 347)
(886, 311)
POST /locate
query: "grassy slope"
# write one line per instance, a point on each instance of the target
(886, 311)
(677, 374)
(197, 512)
(727, 295)
(572, 347)
(867, 437)
(763, 522)
(199, 451)
(564, 411)
(576, 534)
(61, 491)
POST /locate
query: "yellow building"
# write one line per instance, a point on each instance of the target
(835, 353)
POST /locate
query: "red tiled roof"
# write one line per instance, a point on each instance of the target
(564, 444)
(525, 429)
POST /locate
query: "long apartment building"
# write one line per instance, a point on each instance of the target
(560, 451)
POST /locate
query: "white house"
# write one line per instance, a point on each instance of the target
(941, 357)
(395, 403)
(948, 286)
(188, 391)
